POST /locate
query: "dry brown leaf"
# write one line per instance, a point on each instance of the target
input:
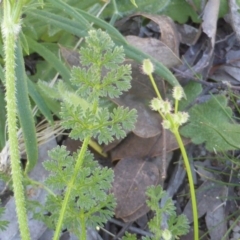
(210, 17)
(71, 57)
(197, 60)
(156, 49)
(189, 34)
(132, 176)
(226, 65)
(165, 49)
(206, 199)
(134, 146)
(148, 122)
(235, 17)
(138, 97)
(169, 34)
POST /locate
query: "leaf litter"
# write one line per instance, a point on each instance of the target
(133, 157)
(207, 54)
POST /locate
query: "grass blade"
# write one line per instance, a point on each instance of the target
(24, 111)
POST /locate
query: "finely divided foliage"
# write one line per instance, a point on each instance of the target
(84, 182)
(88, 194)
(177, 225)
(100, 76)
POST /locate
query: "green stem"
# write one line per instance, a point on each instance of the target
(116, 13)
(155, 86)
(83, 235)
(190, 180)
(40, 185)
(9, 30)
(185, 159)
(78, 166)
(176, 106)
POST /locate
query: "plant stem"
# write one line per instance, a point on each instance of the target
(78, 166)
(155, 86)
(175, 131)
(83, 235)
(190, 180)
(10, 31)
(40, 185)
(176, 106)
(116, 13)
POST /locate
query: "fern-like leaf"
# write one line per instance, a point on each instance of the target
(88, 196)
(3, 223)
(177, 225)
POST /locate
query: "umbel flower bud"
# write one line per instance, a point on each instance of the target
(178, 93)
(166, 124)
(147, 67)
(159, 104)
(180, 118)
(166, 107)
(156, 104)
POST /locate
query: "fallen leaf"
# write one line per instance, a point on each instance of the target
(188, 33)
(206, 198)
(138, 97)
(226, 66)
(169, 34)
(132, 176)
(216, 221)
(210, 17)
(235, 17)
(156, 49)
(71, 57)
(134, 146)
(196, 60)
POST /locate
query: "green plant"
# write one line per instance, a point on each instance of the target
(172, 120)
(11, 27)
(85, 184)
(177, 225)
(44, 26)
(24, 36)
(3, 223)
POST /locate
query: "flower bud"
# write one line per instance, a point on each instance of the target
(166, 124)
(166, 107)
(180, 118)
(147, 67)
(156, 104)
(184, 117)
(178, 93)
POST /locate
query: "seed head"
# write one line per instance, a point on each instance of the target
(166, 107)
(156, 104)
(180, 118)
(147, 67)
(178, 92)
(166, 124)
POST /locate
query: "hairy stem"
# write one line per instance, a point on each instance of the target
(10, 31)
